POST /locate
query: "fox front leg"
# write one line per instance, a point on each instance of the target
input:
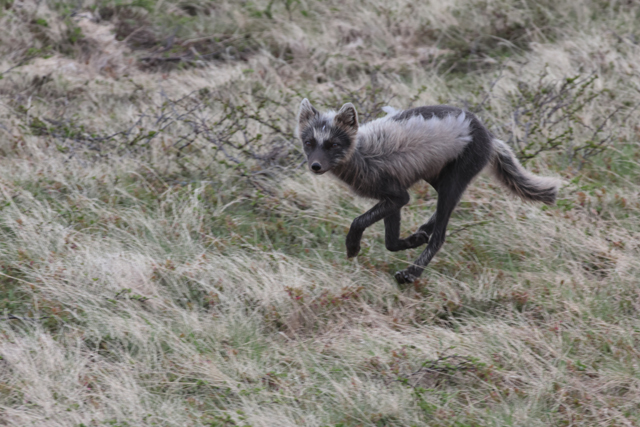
(354, 236)
(380, 211)
(353, 241)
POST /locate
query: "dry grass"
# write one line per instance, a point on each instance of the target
(148, 282)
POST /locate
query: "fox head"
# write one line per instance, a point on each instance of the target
(327, 139)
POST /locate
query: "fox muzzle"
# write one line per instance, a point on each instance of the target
(319, 161)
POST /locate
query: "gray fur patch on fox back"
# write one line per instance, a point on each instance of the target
(411, 148)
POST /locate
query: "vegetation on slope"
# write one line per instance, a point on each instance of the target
(166, 260)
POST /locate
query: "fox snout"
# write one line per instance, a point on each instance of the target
(317, 168)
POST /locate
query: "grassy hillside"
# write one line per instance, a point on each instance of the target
(166, 259)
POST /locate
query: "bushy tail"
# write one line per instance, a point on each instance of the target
(520, 181)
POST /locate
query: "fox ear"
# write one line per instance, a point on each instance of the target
(347, 118)
(306, 114)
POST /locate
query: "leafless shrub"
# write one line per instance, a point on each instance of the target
(547, 117)
(164, 47)
(204, 127)
(250, 131)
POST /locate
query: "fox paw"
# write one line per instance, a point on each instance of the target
(418, 238)
(353, 251)
(353, 242)
(403, 276)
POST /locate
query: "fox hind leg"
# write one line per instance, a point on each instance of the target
(423, 232)
(450, 185)
(447, 202)
(450, 189)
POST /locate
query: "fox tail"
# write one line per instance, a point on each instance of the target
(518, 180)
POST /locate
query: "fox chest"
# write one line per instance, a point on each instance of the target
(374, 183)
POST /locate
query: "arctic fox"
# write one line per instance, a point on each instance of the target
(445, 146)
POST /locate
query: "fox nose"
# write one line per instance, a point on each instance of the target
(316, 166)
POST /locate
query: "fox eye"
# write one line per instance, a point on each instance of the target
(335, 145)
(307, 144)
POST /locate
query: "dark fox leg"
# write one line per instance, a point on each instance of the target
(450, 184)
(428, 226)
(425, 230)
(392, 239)
(381, 210)
(451, 190)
